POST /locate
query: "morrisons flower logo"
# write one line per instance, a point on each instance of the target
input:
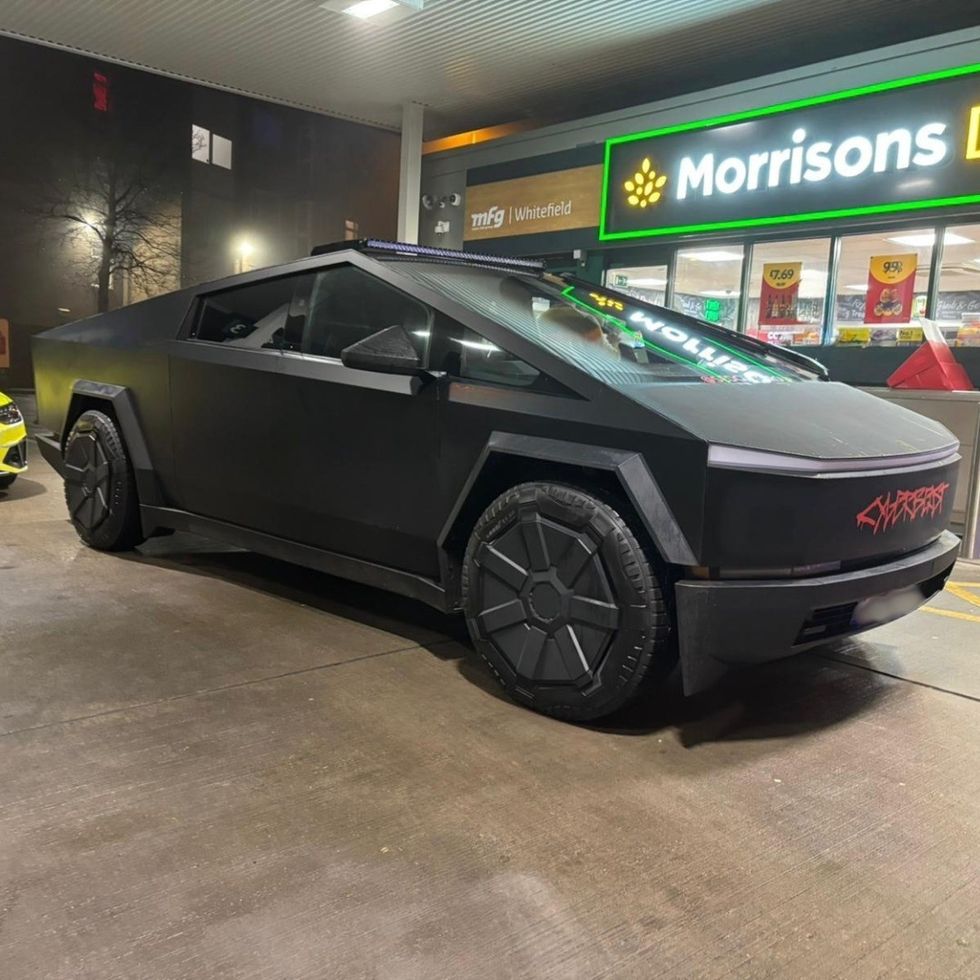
(644, 187)
(606, 302)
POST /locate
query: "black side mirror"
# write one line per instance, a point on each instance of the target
(390, 350)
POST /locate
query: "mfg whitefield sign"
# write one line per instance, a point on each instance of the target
(556, 201)
(898, 146)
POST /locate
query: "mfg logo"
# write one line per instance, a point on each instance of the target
(491, 218)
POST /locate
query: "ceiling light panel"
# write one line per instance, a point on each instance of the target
(369, 8)
(376, 11)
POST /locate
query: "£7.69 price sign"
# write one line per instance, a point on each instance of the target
(780, 292)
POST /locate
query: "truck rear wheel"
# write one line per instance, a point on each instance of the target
(562, 603)
(100, 489)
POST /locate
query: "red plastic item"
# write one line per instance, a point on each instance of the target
(931, 367)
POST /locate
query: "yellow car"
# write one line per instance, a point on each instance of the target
(13, 442)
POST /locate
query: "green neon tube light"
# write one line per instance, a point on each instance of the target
(782, 219)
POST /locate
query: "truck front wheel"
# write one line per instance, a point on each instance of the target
(100, 489)
(562, 603)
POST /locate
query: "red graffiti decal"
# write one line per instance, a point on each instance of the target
(904, 506)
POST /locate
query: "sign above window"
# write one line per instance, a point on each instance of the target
(556, 201)
(899, 146)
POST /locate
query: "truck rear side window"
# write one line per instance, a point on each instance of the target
(262, 315)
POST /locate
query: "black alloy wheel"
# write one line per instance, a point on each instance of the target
(7, 480)
(100, 489)
(562, 602)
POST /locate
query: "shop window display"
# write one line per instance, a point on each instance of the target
(882, 283)
(707, 283)
(647, 282)
(958, 300)
(787, 291)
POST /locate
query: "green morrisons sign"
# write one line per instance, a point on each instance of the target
(897, 146)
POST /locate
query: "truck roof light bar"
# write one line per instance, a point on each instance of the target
(427, 251)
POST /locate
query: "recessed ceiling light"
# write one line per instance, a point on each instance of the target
(368, 8)
(926, 238)
(365, 9)
(712, 255)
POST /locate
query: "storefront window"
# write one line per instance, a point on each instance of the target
(882, 281)
(707, 283)
(958, 303)
(647, 282)
(787, 291)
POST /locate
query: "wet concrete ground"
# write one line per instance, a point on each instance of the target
(217, 765)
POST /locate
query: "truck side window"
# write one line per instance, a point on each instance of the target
(465, 354)
(348, 305)
(262, 315)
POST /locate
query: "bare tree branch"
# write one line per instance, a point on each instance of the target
(109, 209)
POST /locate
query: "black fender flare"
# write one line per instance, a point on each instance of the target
(629, 467)
(124, 408)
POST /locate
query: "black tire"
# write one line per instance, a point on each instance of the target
(7, 480)
(562, 603)
(100, 489)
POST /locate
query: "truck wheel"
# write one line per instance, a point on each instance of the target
(7, 480)
(562, 604)
(100, 489)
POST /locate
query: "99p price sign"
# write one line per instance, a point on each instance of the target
(780, 293)
(891, 285)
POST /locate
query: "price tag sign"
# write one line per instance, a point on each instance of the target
(780, 293)
(891, 284)
(854, 335)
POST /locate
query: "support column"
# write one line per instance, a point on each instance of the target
(410, 173)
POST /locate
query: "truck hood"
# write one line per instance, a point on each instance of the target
(814, 420)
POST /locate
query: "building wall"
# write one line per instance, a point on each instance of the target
(295, 179)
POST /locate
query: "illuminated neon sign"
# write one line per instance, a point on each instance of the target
(906, 145)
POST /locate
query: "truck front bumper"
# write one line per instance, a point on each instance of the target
(725, 623)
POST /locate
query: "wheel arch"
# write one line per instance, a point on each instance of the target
(119, 404)
(621, 476)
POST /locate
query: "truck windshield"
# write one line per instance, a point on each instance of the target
(613, 337)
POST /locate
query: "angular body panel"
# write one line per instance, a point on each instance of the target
(759, 520)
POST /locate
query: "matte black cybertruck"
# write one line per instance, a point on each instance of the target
(597, 483)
